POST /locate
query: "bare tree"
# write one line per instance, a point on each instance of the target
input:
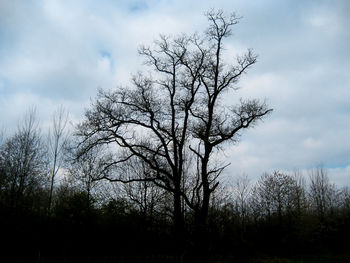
(23, 159)
(344, 198)
(85, 169)
(178, 111)
(322, 192)
(277, 194)
(57, 140)
(2, 136)
(3, 179)
(241, 195)
(148, 198)
(299, 202)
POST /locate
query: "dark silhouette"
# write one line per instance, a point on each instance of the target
(176, 119)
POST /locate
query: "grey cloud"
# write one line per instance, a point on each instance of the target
(54, 53)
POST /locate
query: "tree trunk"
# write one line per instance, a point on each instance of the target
(179, 225)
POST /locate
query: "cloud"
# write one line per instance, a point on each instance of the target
(340, 175)
(60, 52)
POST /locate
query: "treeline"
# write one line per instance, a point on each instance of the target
(52, 210)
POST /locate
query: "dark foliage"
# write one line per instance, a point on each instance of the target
(117, 232)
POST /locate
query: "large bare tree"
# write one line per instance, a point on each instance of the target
(174, 114)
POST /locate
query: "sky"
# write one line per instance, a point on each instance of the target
(59, 53)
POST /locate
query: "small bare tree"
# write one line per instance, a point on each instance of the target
(241, 195)
(322, 192)
(85, 170)
(299, 200)
(24, 162)
(277, 194)
(57, 140)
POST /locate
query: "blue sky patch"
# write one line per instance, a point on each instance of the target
(138, 6)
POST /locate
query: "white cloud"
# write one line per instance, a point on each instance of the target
(340, 176)
(55, 52)
(312, 143)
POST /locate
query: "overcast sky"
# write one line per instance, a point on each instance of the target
(60, 52)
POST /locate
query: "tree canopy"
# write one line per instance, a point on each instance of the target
(173, 117)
